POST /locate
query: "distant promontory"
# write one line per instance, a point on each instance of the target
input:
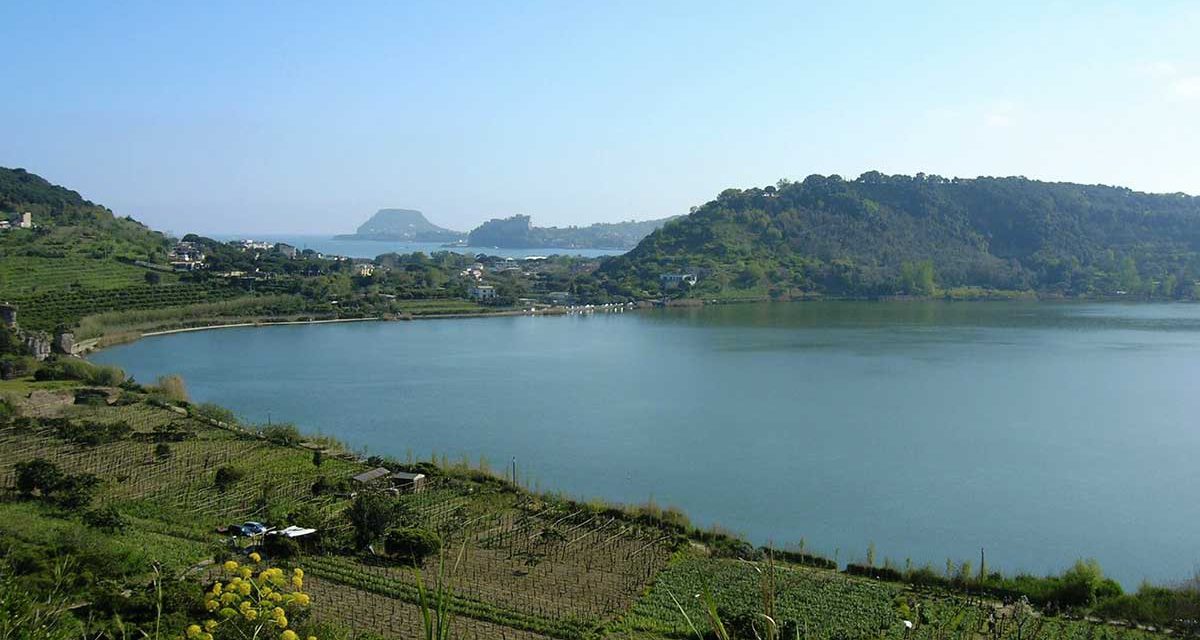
(405, 225)
(518, 232)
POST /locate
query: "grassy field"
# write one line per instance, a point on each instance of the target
(525, 566)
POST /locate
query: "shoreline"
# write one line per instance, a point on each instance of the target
(94, 345)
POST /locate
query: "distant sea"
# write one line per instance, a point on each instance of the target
(373, 248)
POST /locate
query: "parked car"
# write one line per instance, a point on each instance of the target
(253, 528)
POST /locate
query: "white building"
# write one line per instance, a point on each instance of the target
(676, 280)
(482, 292)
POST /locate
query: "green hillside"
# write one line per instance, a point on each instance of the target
(77, 252)
(886, 235)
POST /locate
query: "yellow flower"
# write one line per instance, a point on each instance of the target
(278, 612)
(230, 565)
(301, 599)
(228, 613)
(244, 588)
(206, 636)
(298, 572)
(254, 557)
(312, 638)
(251, 615)
(228, 597)
(209, 625)
(212, 605)
(246, 573)
(282, 622)
(193, 631)
(216, 589)
(288, 635)
(298, 582)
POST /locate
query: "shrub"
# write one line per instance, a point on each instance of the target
(411, 544)
(7, 412)
(106, 518)
(93, 433)
(75, 491)
(39, 475)
(215, 413)
(16, 366)
(77, 369)
(283, 434)
(162, 451)
(172, 388)
(227, 476)
(281, 547)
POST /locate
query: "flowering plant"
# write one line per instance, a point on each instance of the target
(249, 606)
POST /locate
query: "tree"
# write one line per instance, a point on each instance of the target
(916, 278)
(372, 514)
(1128, 278)
(153, 277)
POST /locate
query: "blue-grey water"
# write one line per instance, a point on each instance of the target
(1041, 432)
(374, 248)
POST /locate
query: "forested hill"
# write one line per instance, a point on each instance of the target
(881, 235)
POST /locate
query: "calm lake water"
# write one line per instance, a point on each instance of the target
(375, 248)
(1041, 432)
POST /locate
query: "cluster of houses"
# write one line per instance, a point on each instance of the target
(187, 256)
(14, 221)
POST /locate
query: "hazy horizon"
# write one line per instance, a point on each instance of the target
(249, 119)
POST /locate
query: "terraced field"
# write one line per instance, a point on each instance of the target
(523, 566)
(51, 308)
(25, 276)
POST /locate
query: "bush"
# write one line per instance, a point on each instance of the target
(106, 518)
(215, 413)
(172, 388)
(227, 476)
(282, 434)
(39, 475)
(162, 451)
(75, 491)
(7, 411)
(76, 369)
(411, 545)
(16, 366)
(93, 433)
(281, 547)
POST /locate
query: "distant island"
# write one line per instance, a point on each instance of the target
(403, 225)
(518, 232)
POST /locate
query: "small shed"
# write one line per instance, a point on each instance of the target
(414, 482)
(367, 477)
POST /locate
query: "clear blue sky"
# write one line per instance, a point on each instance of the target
(306, 117)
